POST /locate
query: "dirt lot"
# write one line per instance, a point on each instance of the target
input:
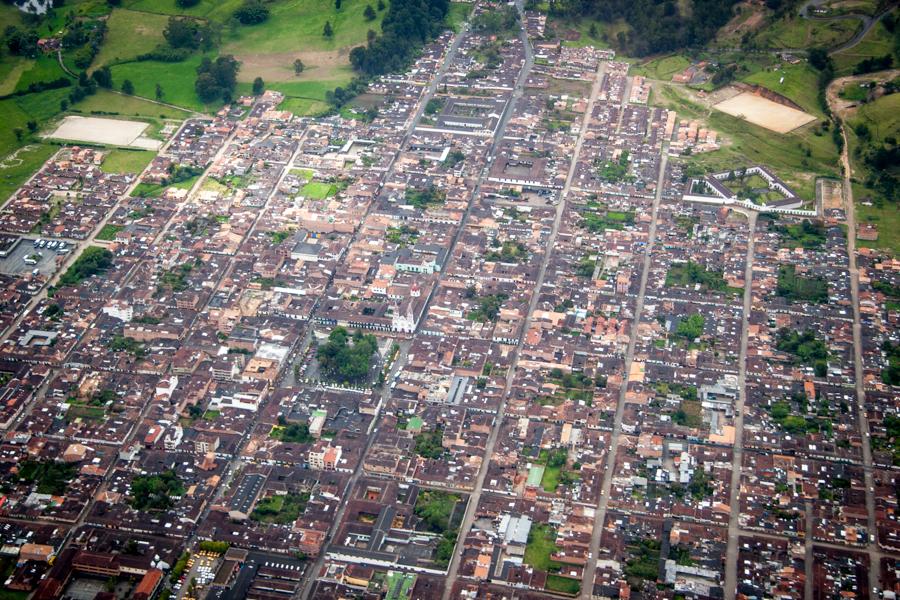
(114, 132)
(765, 113)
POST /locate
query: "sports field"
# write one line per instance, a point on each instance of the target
(113, 132)
(765, 113)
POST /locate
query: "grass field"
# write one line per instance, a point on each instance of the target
(126, 161)
(746, 143)
(107, 102)
(177, 81)
(214, 10)
(129, 34)
(317, 190)
(565, 585)
(877, 42)
(459, 12)
(800, 85)
(43, 68)
(541, 545)
(108, 232)
(661, 68)
(16, 168)
(883, 119)
(797, 32)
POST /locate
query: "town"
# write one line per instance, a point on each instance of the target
(492, 340)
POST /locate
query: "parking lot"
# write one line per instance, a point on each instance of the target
(14, 263)
(202, 568)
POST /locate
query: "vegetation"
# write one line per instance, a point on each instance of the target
(51, 477)
(795, 288)
(281, 510)
(644, 563)
(428, 444)
(424, 198)
(805, 347)
(615, 171)
(92, 261)
(511, 251)
(216, 79)
(601, 221)
(296, 433)
(541, 545)
(347, 363)
(807, 234)
(891, 374)
(435, 509)
(212, 546)
(488, 308)
(155, 492)
(655, 27)
(690, 328)
(690, 274)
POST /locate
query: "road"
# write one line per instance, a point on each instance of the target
(862, 416)
(609, 470)
(738, 450)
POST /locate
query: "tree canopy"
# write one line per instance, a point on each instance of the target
(344, 362)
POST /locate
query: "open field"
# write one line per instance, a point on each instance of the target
(18, 166)
(765, 113)
(661, 68)
(797, 157)
(129, 34)
(114, 132)
(796, 32)
(214, 10)
(126, 161)
(800, 85)
(177, 80)
(111, 103)
(877, 42)
(459, 12)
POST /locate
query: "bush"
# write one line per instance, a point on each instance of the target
(252, 12)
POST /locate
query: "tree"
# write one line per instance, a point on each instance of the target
(216, 79)
(381, 5)
(183, 33)
(327, 31)
(370, 37)
(159, 92)
(103, 77)
(19, 132)
(252, 12)
(298, 66)
(32, 126)
(186, 3)
(258, 86)
(337, 4)
(127, 87)
(369, 13)
(63, 105)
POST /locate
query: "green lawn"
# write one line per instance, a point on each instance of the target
(108, 232)
(298, 24)
(877, 42)
(214, 10)
(111, 103)
(43, 68)
(797, 32)
(550, 479)
(318, 190)
(661, 68)
(745, 143)
(176, 79)
(459, 12)
(541, 545)
(564, 585)
(127, 161)
(11, 69)
(129, 34)
(15, 171)
(800, 85)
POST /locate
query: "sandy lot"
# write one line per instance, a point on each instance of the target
(765, 113)
(113, 132)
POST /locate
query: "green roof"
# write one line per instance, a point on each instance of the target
(399, 585)
(414, 423)
(535, 474)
